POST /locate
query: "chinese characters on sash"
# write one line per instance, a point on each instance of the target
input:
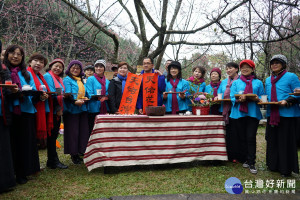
(150, 81)
(130, 94)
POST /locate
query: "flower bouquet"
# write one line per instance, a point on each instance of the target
(202, 101)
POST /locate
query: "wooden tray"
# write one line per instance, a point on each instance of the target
(96, 97)
(31, 92)
(8, 86)
(222, 100)
(295, 93)
(247, 95)
(268, 103)
(82, 99)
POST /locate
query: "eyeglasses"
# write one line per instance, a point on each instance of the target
(15, 54)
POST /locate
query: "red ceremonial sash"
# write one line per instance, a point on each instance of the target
(150, 81)
(130, 94)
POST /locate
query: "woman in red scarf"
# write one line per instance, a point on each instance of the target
(54, 80)
(44, 113)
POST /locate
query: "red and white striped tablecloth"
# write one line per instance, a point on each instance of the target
(123, 141)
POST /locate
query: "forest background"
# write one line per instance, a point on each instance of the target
(206, 33)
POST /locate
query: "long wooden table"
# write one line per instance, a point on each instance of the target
(143, 140)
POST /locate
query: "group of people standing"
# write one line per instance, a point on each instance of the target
(26, 118)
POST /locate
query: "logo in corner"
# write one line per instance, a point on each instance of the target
(233, 186)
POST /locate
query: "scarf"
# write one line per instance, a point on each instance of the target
(81, 89)
(227, 105)
(102, 81)
(14, 76)
(175, 107)
(57, 79)
(16, 80)
(215, 86)
(123, 79)
(248, 89)
(274, 116)
(196, 81)
(43, 124)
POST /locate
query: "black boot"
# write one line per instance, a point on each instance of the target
(75, 159)
(56, 164)
(21, 179)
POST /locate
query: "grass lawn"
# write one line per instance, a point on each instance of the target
(199, 177)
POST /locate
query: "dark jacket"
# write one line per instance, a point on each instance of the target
(8, 96)
(115, 94)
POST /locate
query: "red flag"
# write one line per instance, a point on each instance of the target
(130, 94)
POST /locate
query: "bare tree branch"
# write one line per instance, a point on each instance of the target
(210, 23)
(109, 34)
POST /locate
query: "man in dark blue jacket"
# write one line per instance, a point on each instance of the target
(148, 68)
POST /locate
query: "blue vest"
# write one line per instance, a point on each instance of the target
(183, 85)
(72, 87)
(51, 85)
(92, 84)
(26, 103)
(253, 107)
(285, 85)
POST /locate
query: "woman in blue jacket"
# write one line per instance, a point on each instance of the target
(23, 133)
(76, 129)
(94, 83)
(212, 88)
(176, 103)
(232, 70)
(281, 119)
(54, 80)
(245, 113)
(196, 82)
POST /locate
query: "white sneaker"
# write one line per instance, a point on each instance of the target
(245, 165)
(252, 169)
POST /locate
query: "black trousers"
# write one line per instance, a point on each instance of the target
(232, 142)
(298, 131)
(24, 145)
(51, 141)
(7, 175)
(91, 119)
(246, 128)
(282, 146)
